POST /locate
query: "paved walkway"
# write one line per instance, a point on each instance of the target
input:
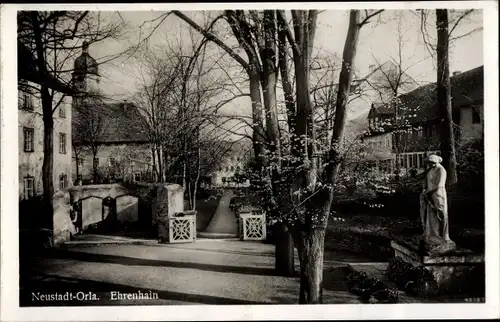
(223, 223)
(205, 272)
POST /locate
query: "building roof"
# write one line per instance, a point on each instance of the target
(27, 70)
(122, 123)
(126, 124)
(421, 104)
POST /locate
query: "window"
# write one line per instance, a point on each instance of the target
(428, 131)
(112, 162)
(63, 181)
(421, 160)
(476, 117)
(95, 162)
(62, 143)
(232, 168)
(137, 177)
(420, 132)
(414, 134)
(27, 101)
(29, 135)
(62, 112)
(29, 187)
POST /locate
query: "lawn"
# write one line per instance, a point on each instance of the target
(370, 235)
(206, 206)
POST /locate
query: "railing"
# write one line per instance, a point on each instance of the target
(252, 226)
(182, 227)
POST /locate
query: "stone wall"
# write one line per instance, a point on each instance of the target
(97, 190)
(63, 227)
(134, 202)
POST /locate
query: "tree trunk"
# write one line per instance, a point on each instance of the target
(198, 173)
(311, 250)
(269, 80)
(285, 80)
(284, 251)
(77, 167)
(343, 93)
(444, 96)
(94, 166)
(257, 120)
(155, 166)
(48, 162)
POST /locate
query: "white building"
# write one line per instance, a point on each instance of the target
(31, 130)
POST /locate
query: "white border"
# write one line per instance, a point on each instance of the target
(9, 200)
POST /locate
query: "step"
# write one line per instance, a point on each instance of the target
(94, 239)
(216, 235)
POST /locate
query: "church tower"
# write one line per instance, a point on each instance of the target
(85, 74)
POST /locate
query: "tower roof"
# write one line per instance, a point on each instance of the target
(85, 64)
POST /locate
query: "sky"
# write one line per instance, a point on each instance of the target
(378, 42)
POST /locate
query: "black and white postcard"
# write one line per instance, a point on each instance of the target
(247, 160)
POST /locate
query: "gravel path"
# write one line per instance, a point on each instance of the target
(205, 272)
(224, 220)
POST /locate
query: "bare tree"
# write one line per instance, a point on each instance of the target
(90, 122)
(447, 22)
(313, 192)
(390, 82)
(52, 40)
(181, 95)
(255, 32)
(251, 66)
(306, 219)
(444, 95)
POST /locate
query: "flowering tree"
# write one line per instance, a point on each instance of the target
(287, 173)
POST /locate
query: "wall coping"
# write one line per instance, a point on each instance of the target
(96, 186)
(169, 186)
(158, 184)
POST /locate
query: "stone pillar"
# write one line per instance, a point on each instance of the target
(169, 200)
(63, 227)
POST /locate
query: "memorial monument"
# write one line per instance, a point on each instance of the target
(432, 263)
(434, 209)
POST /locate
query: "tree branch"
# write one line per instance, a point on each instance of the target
(213, 38)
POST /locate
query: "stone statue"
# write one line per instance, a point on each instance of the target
(434, 208)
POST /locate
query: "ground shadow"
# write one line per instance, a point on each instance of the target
(243, 253)
(51, 284)
(114, 259)
(335, 289)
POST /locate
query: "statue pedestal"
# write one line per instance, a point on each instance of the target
(455, 272)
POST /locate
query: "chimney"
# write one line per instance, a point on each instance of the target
(455, 73)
